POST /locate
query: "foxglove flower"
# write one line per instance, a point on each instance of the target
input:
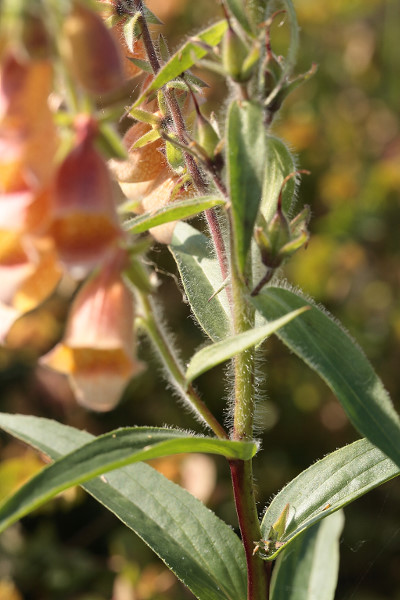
(84, 223)
(98, 349)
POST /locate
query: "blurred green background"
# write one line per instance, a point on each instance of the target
(344, 126)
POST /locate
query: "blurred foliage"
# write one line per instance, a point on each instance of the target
(344, 126)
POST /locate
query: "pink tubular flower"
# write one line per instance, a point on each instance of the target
(29, 273)
(90, 50)
(27, 133)
(84, 223)
(98, 349)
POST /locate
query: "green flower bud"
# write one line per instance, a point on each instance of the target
(206, 135)
(234, 54)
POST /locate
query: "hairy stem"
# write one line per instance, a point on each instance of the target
(180, 129)
(158, 336)
(241, 471)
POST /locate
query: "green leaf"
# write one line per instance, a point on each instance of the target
(150, 17)
(322, 344)
(329, 484)
(201, 278)
(131, 30)
(257, 166)
(173, 212)
(144, 65)
(147, 138)
(108, 452)
(278, 164)
(290, 60)
(213, 355)
(308, 570)
(199, 548)
(194, 49)
(237, 9)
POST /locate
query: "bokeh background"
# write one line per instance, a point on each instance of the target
(344, 126)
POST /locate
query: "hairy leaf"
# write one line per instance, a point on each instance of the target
(201, 278)
(246, 155)
(329, 484)
(198, 547)
(213, 355)
(172, 212)
(105, 453)
(321, 343)
(193, 50)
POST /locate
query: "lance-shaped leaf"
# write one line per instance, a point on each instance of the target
(322, 344)
(258, 164)
(294, 38)
(308, 570)
(246, 155)
(201, 278)
(197, 546)
(194, 49)
(108, 452)
(213, 355)
(329, 484)
(172, 212)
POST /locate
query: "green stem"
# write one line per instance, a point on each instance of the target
(241, 471)
(158, 336)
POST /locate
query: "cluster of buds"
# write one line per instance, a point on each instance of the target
(280, 238)
(58, 214)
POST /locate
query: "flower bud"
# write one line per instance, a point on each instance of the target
(234, 54)
(91, 52)
(206, 135)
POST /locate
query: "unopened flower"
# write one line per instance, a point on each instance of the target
(84, 223)
(98, 349)
(91, 51)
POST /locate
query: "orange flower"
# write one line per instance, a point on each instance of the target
(26, 210)
(91, 51)
(28, 138)
(98, 349)
(29, 273)
(143, 164)
(84, 224)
